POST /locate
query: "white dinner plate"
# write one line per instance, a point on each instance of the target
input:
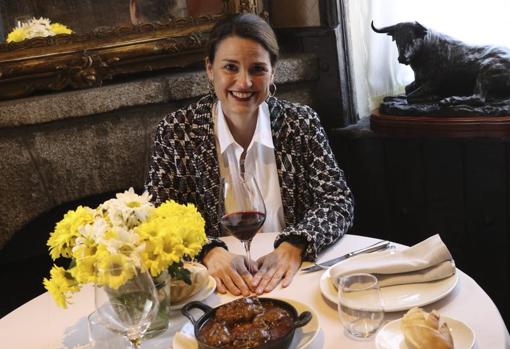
(400, 297)
(185, 338)
(199, 296)
(391, 337)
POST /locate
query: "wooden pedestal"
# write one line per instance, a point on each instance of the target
(441, 126)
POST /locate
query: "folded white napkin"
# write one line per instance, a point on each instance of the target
(426, 261)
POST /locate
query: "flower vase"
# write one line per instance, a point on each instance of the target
(161, 321)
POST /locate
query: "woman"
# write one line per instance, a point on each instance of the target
(241, 126)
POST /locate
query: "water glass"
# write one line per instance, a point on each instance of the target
(359, 304)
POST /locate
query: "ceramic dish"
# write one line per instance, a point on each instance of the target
(199, 296)
(399, 297)
(391, 337)
(185, 339)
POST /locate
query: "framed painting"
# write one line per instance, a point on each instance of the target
(95, 41)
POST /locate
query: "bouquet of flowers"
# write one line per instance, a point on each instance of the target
(119, 233)
(36, 27)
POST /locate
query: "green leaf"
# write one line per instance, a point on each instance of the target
(178, 272)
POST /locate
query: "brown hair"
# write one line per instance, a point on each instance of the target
(247, 26)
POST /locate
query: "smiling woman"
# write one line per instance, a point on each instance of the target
(241, 74)
(242, 131)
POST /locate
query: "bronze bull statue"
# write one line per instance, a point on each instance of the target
(449, 71)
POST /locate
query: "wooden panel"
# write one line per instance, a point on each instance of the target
(444, 191)
(505, 241)
(486, 217)
(367, 180)
(404, 171)
(362, 160)
(441, 125)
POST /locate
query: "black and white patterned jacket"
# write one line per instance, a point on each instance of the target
(318, 205)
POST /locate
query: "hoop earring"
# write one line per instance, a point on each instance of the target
(272, 93)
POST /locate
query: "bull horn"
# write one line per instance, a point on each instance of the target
(384, 30)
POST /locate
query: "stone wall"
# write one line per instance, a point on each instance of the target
(62, 147)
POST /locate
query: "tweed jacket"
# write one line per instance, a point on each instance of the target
(317, 203)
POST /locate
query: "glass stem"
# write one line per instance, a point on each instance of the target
(247, 245)
(136, 342)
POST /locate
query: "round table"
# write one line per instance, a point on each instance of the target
(40, 324)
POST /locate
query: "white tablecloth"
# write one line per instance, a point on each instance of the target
(40, 324)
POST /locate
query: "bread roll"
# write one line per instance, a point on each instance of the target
(422, 330)
(179, 290)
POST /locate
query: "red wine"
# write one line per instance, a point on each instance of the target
(243, 225)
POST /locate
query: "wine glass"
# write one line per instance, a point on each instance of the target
(243, 211)
(130, 308)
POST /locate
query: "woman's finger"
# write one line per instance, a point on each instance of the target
(275, 280)
(264, 281)
(229, 284)
(264, 264)
(247, 278)
(288, 277)
(219, 285)
(240, 283)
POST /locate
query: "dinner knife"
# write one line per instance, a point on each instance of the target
(380, 245)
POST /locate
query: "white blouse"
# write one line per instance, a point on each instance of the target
(259, 161)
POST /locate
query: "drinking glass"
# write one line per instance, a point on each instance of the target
(243, 211)
(130, 308)
(359, 304)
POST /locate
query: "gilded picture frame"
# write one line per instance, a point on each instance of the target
(87, 60)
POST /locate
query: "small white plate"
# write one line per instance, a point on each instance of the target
(391, 337)
(185, 338)
(199, 296)
(399, 297)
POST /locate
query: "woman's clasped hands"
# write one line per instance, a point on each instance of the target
(240, 276)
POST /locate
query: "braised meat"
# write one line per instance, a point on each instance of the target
(278, 320)
(245, 323)
(249, 335)
(216, 334)
(240, 310)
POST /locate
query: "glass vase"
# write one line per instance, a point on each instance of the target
(161, 322)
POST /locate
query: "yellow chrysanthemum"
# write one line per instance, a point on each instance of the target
(150, 229)
(171, 209)
(185, 223)
(106, 244)
(114, 270)
(89, 248)
(85, 271)
(151, 260)
(170, 248)
(60, 285)
(192, 232)
(58, 28)
(18, 34)
(111, 235)
(66, 231)
(54, 289)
